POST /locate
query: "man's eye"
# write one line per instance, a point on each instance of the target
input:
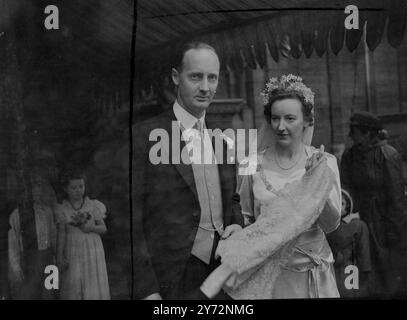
(213, 78)
(195, 76)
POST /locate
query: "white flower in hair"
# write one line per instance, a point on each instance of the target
(287, 83)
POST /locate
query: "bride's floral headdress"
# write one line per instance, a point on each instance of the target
(287, 83)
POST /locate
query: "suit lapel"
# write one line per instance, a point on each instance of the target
(185, 170)
(226, 172)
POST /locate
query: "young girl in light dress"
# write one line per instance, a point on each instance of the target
(81, 257)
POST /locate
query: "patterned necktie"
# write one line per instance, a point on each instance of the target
(198, 126)
(196, 139)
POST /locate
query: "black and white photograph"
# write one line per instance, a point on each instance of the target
(203, 150)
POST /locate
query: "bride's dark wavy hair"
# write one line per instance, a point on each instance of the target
(277, 95)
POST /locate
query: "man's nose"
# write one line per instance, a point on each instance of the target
(204, 85)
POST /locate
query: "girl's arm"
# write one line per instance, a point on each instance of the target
(96, 226)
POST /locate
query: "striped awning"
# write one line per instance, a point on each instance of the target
(242, 30)
(97, 34)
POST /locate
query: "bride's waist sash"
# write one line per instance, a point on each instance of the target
(310, 250)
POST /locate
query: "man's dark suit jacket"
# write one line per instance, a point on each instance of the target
(166, 211)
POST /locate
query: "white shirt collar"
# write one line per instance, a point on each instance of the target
(186, 119)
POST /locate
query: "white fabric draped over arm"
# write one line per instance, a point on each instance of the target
(330, 216)
(254, 252)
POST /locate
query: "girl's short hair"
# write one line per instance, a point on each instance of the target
(72, 174)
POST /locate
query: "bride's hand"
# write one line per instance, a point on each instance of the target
(315, 158)
(229, 230)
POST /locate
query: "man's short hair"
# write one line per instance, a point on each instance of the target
(179, 55)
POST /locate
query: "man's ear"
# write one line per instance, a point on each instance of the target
(175, 76)
(307, 124)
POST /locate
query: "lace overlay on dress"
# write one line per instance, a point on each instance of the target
(257, 252)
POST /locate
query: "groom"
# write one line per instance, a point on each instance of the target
(181, 210)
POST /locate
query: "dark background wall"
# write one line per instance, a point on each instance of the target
(66, 81)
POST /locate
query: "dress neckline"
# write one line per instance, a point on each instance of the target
(84, 207)
(282, 174)
(308, 152)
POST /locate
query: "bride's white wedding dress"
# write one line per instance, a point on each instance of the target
(284, 253)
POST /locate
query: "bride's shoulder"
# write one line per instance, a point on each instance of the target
(330, 156)
(331, 159)
(312, 149)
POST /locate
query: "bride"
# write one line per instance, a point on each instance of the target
(290, 200)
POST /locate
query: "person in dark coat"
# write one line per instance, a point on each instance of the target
(371, 170)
